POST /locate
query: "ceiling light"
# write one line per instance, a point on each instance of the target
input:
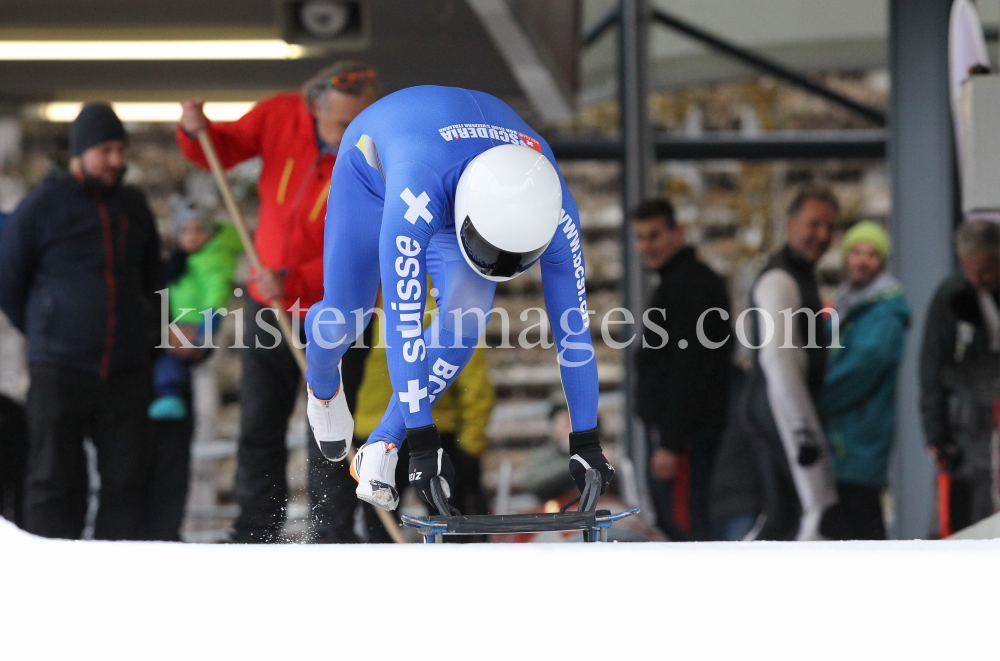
(62, 111)
(231, 49)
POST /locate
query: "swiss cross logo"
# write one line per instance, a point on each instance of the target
(417, 206)
(412, 395)
(531, 142)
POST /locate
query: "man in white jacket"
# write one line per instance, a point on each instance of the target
(778, 409)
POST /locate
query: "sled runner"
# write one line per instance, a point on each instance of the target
(593, 522)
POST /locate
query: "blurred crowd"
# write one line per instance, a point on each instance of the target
(797, 446)
(793, 443)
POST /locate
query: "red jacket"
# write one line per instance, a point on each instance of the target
(293, 187)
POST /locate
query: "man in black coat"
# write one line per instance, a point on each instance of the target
(683, 379)
(959, 368)
(79, 265)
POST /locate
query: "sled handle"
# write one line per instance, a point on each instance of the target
(590, 494)
(440, 502)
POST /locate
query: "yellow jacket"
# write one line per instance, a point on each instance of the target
(464, 409)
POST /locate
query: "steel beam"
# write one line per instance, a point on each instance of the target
(760, 63)
(637, 185)
(526, 65)
(775, 145)
(921, 163)
(745, 56)
(603, 24)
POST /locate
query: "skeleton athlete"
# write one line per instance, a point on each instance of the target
(453, 184)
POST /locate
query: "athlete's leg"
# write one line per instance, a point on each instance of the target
(350, 268)
(464, 300)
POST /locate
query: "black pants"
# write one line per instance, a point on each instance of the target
(269, 384)
(169, 477)
(861, 509)
(64, 407)
(681, 504)
(13, 458)
(467, 492)
(970, 499)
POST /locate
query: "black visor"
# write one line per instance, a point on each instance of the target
(491, 260)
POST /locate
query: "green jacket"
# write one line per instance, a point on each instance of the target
(859, 391)
(207, 283)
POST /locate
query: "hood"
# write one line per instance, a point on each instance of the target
(226, 239)
(59, 174)
(884, 289)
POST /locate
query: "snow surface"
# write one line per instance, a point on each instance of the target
(821, 600)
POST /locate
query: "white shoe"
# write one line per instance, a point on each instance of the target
(374, 467)
(331, 423)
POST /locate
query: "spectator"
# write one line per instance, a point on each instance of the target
(734, 504)
(208, 253)
(959, 371)
(79, 265)
(683, 384)
(13, 427)
(858, 405)
(297, 136)
(543, 472)
(461, 414)
(199, 275)
(777, 425)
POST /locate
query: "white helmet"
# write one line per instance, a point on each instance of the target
(507, 207)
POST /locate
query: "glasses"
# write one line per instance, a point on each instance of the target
(351, 82)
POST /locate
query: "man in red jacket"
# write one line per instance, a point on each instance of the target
(297, 136)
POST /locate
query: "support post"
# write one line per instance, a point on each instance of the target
(637, 184)
(921, 162)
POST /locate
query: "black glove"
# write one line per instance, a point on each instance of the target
(950, 455)
(810, 447)
(428, 460)
(585, 448)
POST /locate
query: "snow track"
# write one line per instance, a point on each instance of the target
(819, 600)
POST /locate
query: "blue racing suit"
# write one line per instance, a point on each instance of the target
(392, 222)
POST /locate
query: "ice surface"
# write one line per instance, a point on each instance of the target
(855, 600)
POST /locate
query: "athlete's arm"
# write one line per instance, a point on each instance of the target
(415, 208)
(564, 288)
(565, 291)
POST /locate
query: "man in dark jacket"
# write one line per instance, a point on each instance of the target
(683, 383)
(776, 472)
(79, 265)
(960, 376)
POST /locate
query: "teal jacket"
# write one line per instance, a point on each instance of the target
(859, 391)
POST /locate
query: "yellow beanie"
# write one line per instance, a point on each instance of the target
(867, 231)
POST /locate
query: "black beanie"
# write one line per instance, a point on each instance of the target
(95, 124)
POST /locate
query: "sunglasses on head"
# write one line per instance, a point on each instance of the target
(351, 81)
